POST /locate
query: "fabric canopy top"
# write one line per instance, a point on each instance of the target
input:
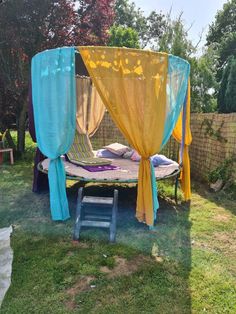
(146, 94)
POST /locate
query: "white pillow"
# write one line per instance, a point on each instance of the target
(117, 148)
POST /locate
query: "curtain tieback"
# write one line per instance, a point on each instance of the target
(145, 158)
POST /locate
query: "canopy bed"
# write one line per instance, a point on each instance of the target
(147, 95)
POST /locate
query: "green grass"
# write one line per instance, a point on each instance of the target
(187, 263)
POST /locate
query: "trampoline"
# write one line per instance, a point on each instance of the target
(126, 174)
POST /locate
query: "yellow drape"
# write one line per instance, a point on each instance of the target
(132, 85)
(177, 134)
(90, 108)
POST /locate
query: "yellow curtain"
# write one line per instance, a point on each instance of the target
(177, 134)
(132, 85)
(90, 108)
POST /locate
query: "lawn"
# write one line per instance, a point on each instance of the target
(186, 265)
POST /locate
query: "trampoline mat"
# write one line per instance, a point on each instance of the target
(127, 172)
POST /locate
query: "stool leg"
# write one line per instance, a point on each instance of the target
(11, 157)
(176, 189)
(78, 216)
(113, 218)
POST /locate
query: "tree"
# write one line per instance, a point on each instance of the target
(226, 49)
(230, 94)
(222, 33)
(223, 86)
(26, 27)
(224, 24)
(157, 24)
(149, 28)
(204, 84)
(95, 18)
(227, 92)
(127, 15)
(121, 36)
(30, 26)
(175, 38)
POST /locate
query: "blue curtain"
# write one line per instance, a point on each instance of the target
(154, 191)
(54, 102)
(176, 89)
(177, 84)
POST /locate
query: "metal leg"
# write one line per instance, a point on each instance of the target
(113, 218)
(176, 189)
(78, 215)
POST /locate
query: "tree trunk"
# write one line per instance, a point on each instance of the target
(21, 129)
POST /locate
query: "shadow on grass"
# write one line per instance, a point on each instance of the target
(171, 231)
(170, 242)
(160, 287)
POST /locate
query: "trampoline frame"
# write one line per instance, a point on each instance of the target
(175, 174)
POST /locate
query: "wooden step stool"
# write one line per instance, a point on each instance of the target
(6, 150)
(96, 211)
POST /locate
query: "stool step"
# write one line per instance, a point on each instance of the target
(88, 215)
(97, 200)
(91, 223)
(97, 217)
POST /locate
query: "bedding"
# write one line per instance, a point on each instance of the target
(105, 153)
(118, 149)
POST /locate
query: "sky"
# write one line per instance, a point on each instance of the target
(200, 13)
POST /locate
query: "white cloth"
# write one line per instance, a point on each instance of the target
(6, 256)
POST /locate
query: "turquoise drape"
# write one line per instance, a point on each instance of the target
(176, 89)
(54, 102)
(154, 191)
(177, 85)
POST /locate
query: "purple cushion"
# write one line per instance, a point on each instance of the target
(100, 168)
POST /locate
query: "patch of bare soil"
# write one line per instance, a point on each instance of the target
(125, 267)
(82, 245)
(223, 241)
(222, 218)
(83, 284)
(204, 246)
(226, 240)
(71, 305)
